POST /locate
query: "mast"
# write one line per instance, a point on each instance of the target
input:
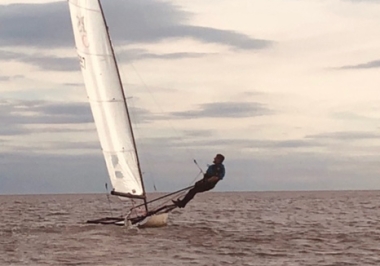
(128, 115)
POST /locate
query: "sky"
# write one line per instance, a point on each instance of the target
(286, 90)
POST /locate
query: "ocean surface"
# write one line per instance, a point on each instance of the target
(216, 228)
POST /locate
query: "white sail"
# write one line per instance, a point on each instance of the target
(106, 96)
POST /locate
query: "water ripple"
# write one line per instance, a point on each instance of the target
(272, 228)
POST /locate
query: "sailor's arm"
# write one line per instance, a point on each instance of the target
(213, 179)
(218, 175)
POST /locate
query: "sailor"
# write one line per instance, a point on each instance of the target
(213, 175)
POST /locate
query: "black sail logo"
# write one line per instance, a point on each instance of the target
(82, 30)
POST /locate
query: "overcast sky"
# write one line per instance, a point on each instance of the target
(288, 91)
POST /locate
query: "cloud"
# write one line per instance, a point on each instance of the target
(38, 25)
(42, 173)
(226, 110)
(344, 136)
(4, 78)
(203, 141)
(250, 143)
(42, 61)
(354, 116)
(13, 130)
(52, 63)
(10, 78)
(304, 171)
(15, 116)
(40, 112)
(48, 25)
(371, 64)
(230, 38)
(141, 115)
(72, 84)
(131, 55)
(79, 110)
(249, 172)
(75, 145)
(198, 133)
(150, 22)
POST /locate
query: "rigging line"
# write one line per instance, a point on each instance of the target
(196, 163)
(179, 193)
(108, 198)
(159, 106)
(165, 196)
(192, 182)
(145, 155)
(134, 211)
(176, 195)
(190, 152)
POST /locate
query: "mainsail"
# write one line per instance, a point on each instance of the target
(106, 97)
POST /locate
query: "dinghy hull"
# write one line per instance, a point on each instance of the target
(156, 220)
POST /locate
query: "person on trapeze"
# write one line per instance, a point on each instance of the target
(213, 175)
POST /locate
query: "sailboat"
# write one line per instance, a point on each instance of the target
(110, 112)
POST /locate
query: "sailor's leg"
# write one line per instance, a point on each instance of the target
(200, 186)
(189, 196)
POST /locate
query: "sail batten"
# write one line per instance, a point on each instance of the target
(106, 97)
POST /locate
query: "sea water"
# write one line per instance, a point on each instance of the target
(216, 228)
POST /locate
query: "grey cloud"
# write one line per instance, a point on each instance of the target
(131, 55)
(141, 115)
(47, 173)
(225, 109)
(251, 143)
(57, 113)
(198, 133)
(371, 64)
(77, 145)
(63, 146)
(180, 140)
(289, 144)
(53, 63)
(344, 136)
(4, 78)
(6, 55)
(14, 121)
(70, 84)
(231, 38)
(209, 140)
(304, 171)
(173, 170)
(38, 25)
(149, 21)
(353, 116)
(160, 142)
(205, 140)
(12, 130)
(72, 64)
(42, 61)
(71, 110)
(146, 21)
(51, 129)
